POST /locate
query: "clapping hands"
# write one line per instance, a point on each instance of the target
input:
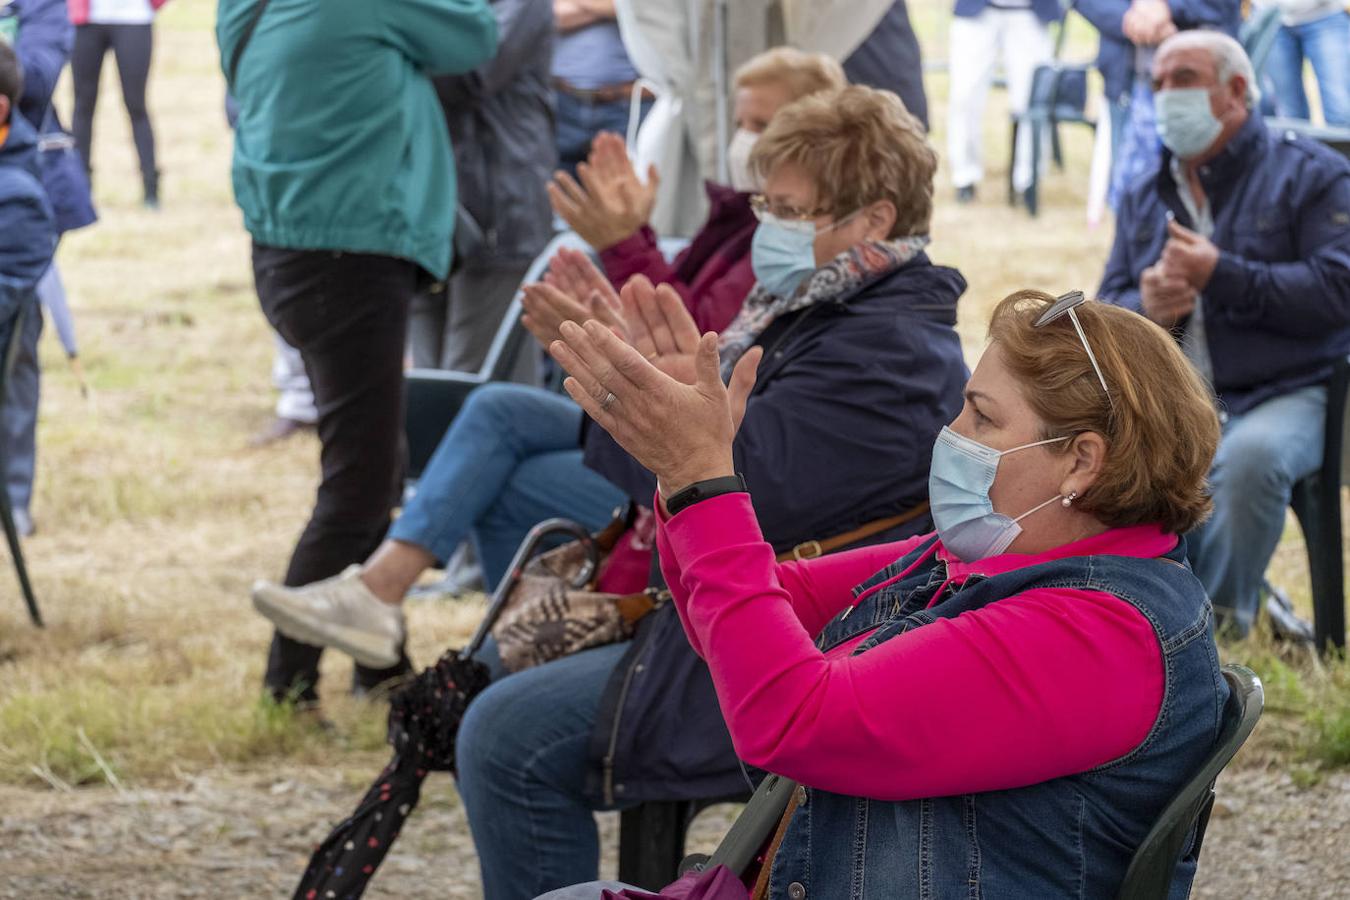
(664, 403)
(611, 202)
(573, 290)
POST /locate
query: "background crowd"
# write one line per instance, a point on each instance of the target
(397, 196)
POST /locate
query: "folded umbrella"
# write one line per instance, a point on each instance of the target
(424, 719)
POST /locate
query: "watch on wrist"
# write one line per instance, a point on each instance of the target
(705, 490)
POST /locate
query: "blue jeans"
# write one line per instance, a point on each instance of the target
(1262, 453)
(1325, 43)
(510, 460)
(1139, 149)
(578, 121)
(521, 757)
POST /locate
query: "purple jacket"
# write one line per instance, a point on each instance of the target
(712, 274)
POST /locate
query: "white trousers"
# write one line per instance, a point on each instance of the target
(1022, 42)
(296, 401)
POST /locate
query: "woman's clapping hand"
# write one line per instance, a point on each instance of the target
(611, 202)
(681, 430)
(573, 290)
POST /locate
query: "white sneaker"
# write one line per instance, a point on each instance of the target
(339, 612)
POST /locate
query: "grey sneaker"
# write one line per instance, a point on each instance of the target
(338, 612)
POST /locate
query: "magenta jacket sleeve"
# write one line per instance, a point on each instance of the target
(1041, 685)
(816, 589)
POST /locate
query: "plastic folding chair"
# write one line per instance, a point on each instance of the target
(1058, 96)
(1181, 827)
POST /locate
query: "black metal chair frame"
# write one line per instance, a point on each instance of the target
(1317, 505)
(6, 511)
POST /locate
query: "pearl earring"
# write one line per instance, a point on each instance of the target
(1068, 501)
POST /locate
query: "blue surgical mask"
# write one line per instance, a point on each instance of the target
(783, 253)
(1186, 123)
(958, 491)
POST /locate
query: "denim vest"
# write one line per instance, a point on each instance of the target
(1069, 837)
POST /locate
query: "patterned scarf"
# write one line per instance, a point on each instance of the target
(856, 265)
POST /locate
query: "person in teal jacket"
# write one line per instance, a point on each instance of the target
(344, 173)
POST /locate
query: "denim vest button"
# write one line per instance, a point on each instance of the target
(796, 891)
(801, 796)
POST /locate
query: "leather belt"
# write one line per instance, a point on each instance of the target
(609, 93)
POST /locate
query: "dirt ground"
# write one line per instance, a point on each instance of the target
(249, 835)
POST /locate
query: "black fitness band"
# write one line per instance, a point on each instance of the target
(705, 490)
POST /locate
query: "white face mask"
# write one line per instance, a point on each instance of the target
(738, 161)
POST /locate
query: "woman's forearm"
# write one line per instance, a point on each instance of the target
(1037, 686)
(815, 589)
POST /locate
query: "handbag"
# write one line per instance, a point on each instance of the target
(555, 607)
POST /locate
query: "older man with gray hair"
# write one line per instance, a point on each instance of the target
(1239, 242)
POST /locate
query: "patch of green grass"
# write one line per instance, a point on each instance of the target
(1307, 712)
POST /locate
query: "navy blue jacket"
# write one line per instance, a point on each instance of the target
(27, 233)
(890, 59)
(1277, 308)
(1115, 55)
(43, 46)
(838, 432)
(45, 39)
(1046, 10)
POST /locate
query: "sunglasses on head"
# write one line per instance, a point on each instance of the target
(1065, 306)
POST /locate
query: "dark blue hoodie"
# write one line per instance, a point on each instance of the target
(27, 233)
(838, 432)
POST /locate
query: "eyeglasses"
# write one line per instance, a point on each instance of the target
(787, 215)
(1065, 305)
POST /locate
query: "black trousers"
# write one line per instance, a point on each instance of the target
(347, 314)
(131, 46)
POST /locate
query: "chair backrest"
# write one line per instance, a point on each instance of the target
(1059, 90)
(1336, 138)
(1149, 876)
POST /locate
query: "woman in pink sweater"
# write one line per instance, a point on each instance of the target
(1002, 708)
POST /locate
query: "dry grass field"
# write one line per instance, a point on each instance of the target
(135, 757)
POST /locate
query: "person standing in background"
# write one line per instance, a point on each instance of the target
(343, 171)
(592, 76)
(501, 126)
(1317, 31)
(891, 60)
(982, 33)
(41, 34)
(1130, 31)
(125, 27)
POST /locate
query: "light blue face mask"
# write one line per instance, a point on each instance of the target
(783, 252)
(1186, 123)
(958, 491)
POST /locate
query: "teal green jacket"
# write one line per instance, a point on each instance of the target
(341, 143)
